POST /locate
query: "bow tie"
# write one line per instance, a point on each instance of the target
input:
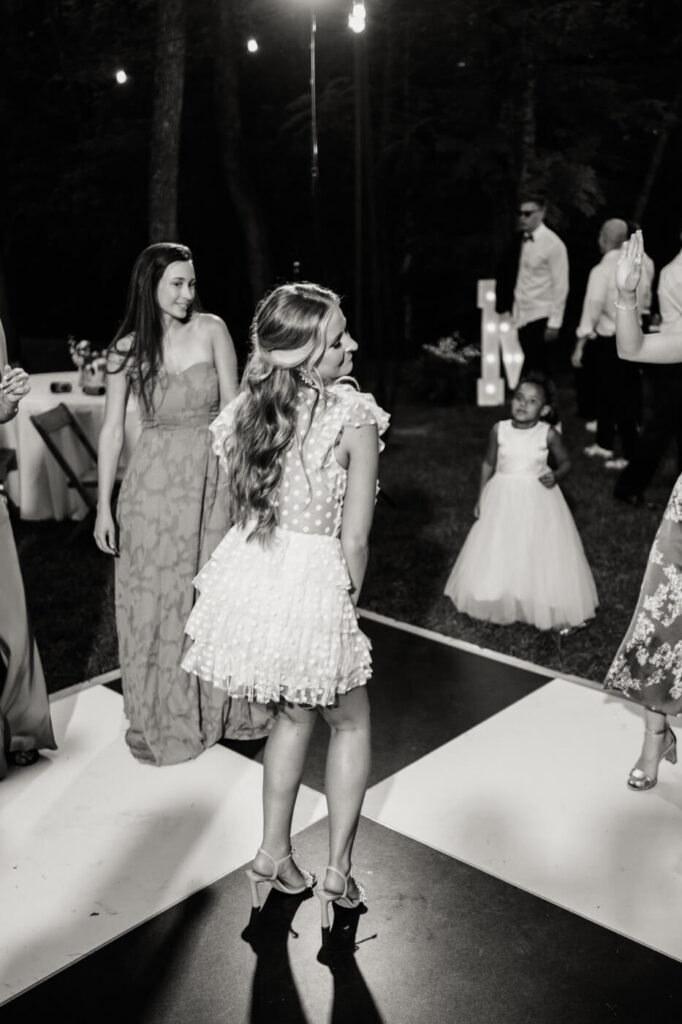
(528, 236)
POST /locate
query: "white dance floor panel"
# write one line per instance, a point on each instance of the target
(93, 843)
(536, 795)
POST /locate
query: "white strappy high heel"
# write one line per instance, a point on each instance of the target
(256, 879)
(639, 780)
(341, 898)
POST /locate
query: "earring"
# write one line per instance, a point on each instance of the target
(307, 379)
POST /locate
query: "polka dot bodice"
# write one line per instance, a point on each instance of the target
(313, 486)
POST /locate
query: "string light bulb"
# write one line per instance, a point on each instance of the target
(357, 18)
(121, 77)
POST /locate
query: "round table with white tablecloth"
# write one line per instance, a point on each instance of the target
(39, 486)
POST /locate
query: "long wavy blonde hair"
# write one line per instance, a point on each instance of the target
(287, 343)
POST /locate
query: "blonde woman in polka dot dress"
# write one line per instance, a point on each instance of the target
(275, 618)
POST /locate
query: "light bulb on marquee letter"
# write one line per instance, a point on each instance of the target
(490, 383)
(498, 337)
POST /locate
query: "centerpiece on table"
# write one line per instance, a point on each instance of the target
(91, 364)
(446, 370)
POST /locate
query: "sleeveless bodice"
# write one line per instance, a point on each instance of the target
(521, 452)
(313, 484)
(188, 399)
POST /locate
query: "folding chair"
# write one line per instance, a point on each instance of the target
(59, 418)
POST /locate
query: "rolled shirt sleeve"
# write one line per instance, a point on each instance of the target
(558, 263)
(596, 295)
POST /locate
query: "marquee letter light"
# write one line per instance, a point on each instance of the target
(497, 334)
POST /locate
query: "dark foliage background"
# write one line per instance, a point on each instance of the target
(466, 100)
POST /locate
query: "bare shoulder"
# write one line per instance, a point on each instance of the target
(125, 343)
(361, 435)
(555, 438)
(360, 445)
(119, 350)
(212, 325)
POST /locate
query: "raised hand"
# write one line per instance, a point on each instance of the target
(629, 267)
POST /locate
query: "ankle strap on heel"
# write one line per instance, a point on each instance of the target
(346, 878)
(276, 864)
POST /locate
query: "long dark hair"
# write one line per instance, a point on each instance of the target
(142, 318)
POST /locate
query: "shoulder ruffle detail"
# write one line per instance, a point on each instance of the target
(347, 407)
(359, 409)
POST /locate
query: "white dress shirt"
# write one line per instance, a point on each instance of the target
(599, 310)
(542, 279)
(670, 295)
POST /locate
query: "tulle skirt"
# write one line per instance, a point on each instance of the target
(277, 621)
(523, 560)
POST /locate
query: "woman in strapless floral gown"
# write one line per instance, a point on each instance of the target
(647, 667)
(172, 509)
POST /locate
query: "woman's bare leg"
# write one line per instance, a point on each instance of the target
(347, 771)
(654, 740)
(283, 762)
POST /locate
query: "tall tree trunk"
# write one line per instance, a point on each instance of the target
(228, 123)
(391, 240)
(528, 127)
(656, 160)
(169, 83)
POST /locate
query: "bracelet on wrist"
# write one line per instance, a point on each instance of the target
(619, 306)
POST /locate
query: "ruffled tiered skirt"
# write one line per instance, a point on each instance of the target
(276, 620)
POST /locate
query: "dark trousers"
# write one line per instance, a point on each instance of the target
(618, 396)
(586, 386)
(662, 426)
(532, 340)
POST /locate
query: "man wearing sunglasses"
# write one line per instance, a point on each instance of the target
(540, 288)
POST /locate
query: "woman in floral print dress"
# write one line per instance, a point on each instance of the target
(172, 509)
(648, 665)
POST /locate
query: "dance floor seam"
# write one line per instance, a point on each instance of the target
(497, 801)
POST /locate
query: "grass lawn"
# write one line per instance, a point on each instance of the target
(429, 476)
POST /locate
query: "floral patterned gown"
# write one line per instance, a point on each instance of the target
(172, 512)
(648, 665)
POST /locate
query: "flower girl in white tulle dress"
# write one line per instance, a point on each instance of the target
(275, 618)
(523, 560)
